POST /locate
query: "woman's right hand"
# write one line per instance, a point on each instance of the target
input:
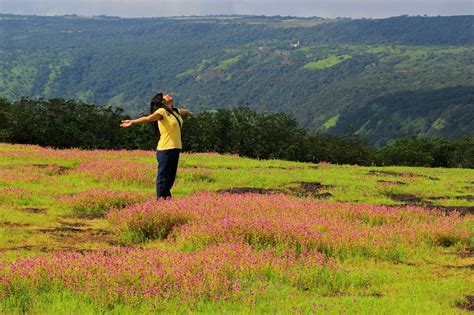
(126, 123)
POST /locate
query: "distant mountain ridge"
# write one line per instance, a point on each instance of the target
(328, 73)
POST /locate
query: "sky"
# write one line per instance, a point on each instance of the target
(321, 8)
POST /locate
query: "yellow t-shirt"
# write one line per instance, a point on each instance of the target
(169, 130)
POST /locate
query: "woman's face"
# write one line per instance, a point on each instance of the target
(168, 99)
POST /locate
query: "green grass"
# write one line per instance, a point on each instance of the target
(432, 281)
(224, 64)
(326, 63)
(331, 122)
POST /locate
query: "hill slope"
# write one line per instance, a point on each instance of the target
(319, 70)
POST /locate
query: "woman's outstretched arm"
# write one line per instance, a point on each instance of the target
(142, 120)
(185, 112)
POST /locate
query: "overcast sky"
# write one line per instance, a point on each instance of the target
(322, 8)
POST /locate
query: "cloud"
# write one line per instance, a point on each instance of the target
(324, 8)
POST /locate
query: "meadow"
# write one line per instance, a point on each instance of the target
(81, 233)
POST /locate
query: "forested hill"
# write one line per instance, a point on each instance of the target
(384, 78)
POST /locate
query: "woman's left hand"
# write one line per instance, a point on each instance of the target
(185, 112)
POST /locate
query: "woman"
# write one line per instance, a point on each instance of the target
(167, 121)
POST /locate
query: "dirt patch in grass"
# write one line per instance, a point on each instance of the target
(53, 169)
(324, 195)
(90, 216)
(470, 266)
(44, 249)
(311, 189)
(304, 189)
(88, 236)
(34, 210)
(73, 224)
(463, 197)
(118, 243)
(391, 182)
(468, 304)
(466, 254)
(17, 248)
(276, 167)
(13, 225)
(68, 228)
(463, 210)
(60, 231)
(392, 173)
(76, 239)
(376, 294)
(419, 175)
(383, 173)
(74, 235)
(85, 216)
(412, 200)
(408, 199)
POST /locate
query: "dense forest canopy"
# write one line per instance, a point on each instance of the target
(382, 79)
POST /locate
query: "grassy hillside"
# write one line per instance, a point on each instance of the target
(240, 235)
(315, 69)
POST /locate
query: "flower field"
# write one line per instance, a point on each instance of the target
(134, 275)
(80, 232)
(263, 221)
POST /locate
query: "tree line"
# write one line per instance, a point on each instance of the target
(62, 123)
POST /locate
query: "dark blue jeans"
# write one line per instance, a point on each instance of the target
(167, 167)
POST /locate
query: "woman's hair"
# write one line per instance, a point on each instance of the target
(156, 103)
